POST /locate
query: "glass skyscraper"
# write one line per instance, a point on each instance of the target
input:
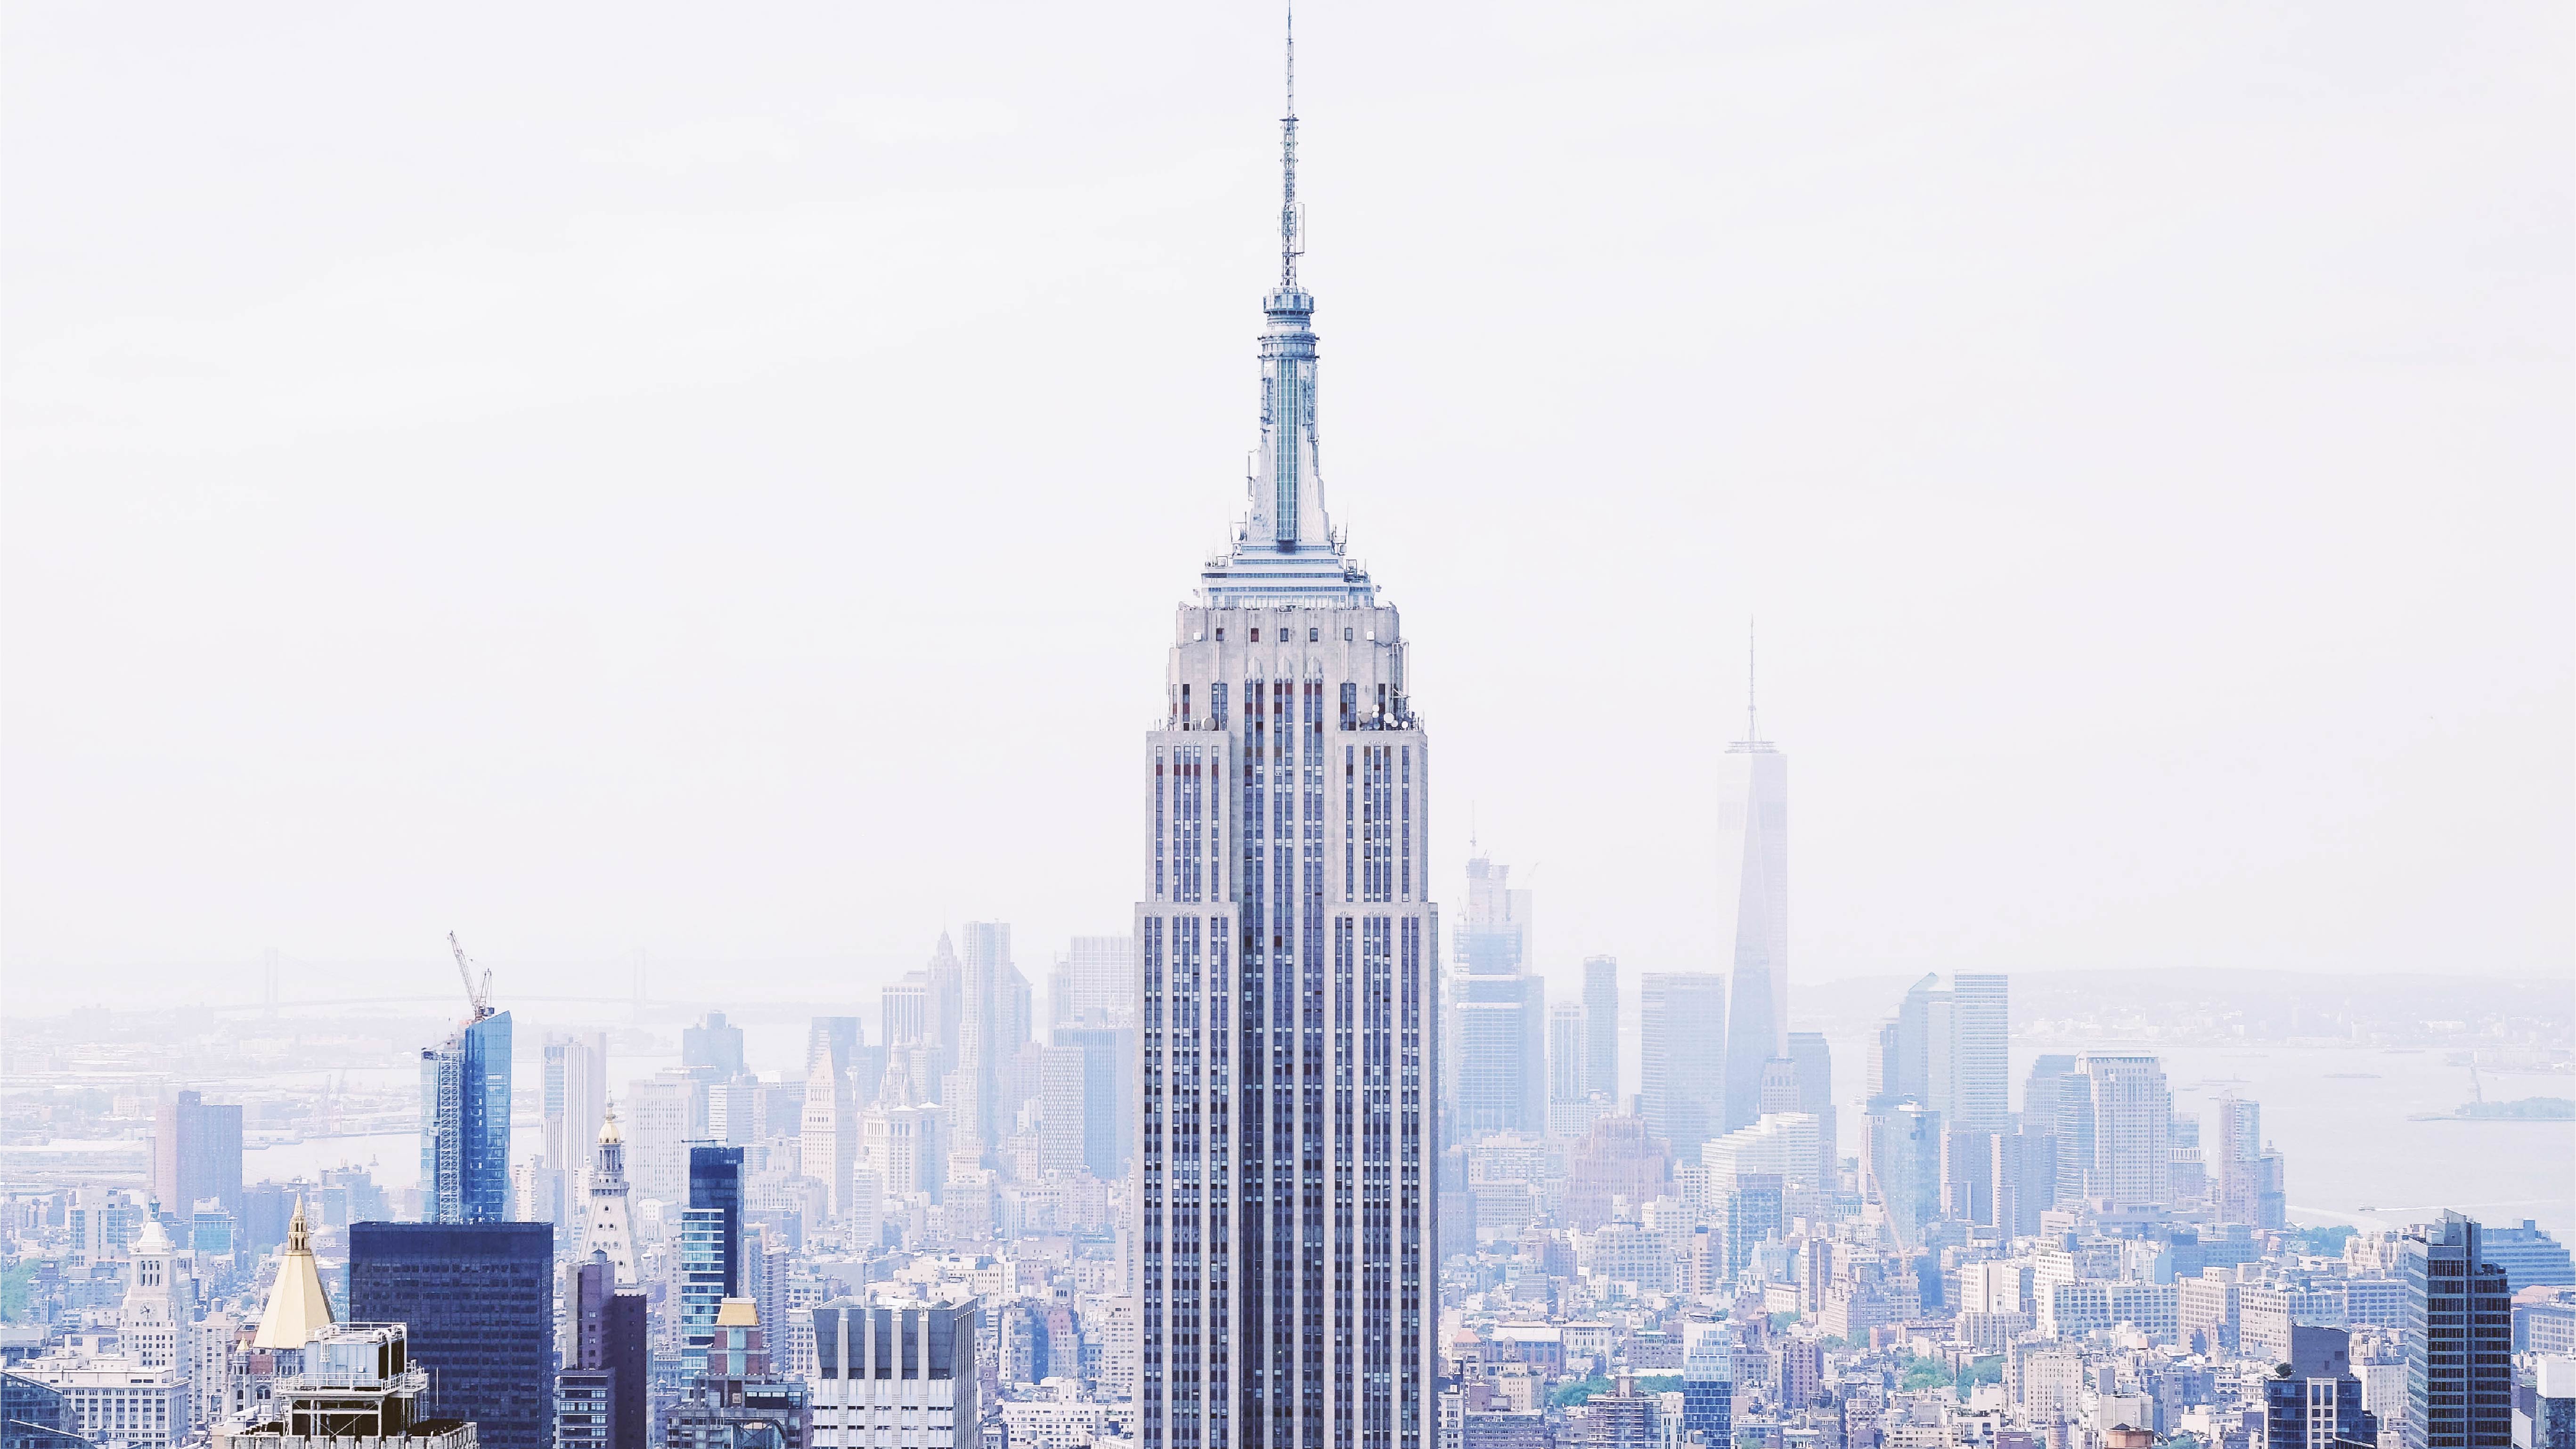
(1681, 1057)
(1601, 1026)
(465, 1124)
(1753, 877)
(1289, 977)
(710, 1247)
(1500, 1036)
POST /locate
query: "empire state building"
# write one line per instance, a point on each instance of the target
(1287, 996)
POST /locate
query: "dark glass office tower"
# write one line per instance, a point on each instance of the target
(2458, 1339)
(478, 1299)
(465, 1124)
(715, 1182)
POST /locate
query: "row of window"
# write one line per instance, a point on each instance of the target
(1314, 635)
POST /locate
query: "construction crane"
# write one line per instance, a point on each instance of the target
(481, 995)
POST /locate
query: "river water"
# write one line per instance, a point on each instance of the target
(2339, 1114)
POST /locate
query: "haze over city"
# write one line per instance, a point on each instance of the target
(718, 498)
(1906, 781)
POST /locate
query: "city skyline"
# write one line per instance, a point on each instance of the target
(2113, 553)
(2050, 432)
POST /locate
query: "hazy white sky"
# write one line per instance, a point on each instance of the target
(716, 482)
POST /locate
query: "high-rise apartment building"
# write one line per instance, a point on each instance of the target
(1286, 941)
(665, 1112)
(2049, 1114)
(2237, 1157)
(478, 1299)
(196, 1154)
(944, 998)
(1601, 1026)
(1901, 1166)
(1980, 1052)
(2458, 1339)
(1500, 1033)
(465, 1122)
(1753, 895)
(602, 1398)
(1061, 1100)
(2131, 1164)
(992, 1022)
(576, 1097)
(1099, 975)
(1681, 1058)
(1814, 1061)
(710, 1247)
(1567, 1051)
(1949, 1048)
(714, 1044)
(828, 1132)
(1109, 1094)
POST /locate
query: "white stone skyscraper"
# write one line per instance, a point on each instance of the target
(1753, 899)
(1287, 991)
(828, 1132)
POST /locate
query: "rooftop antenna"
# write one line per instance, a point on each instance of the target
(1291, 219)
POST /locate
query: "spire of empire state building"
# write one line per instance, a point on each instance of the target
(1291, 220)
(1285, 550)
(1292, 1236)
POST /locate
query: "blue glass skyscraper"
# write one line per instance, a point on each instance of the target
(710, 1247)
(465, 1123)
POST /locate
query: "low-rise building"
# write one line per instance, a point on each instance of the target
(111, 1397)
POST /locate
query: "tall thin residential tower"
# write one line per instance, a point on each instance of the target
(1287, 991)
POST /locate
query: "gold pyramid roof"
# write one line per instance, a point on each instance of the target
(297, 1306)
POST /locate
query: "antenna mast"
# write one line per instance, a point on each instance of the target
(1291, 219)
(1750, 733)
